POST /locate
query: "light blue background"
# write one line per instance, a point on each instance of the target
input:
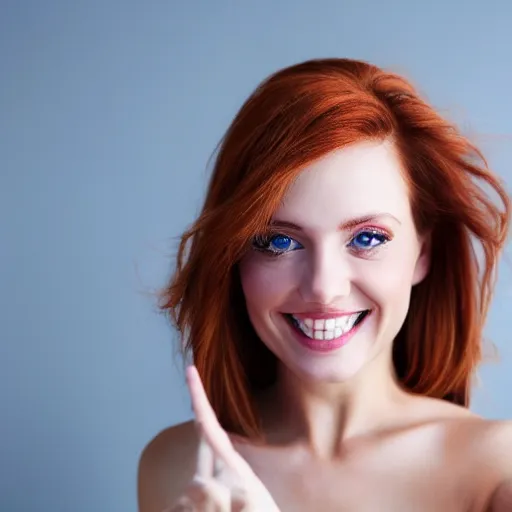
(109, 113)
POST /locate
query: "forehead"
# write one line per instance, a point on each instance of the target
(354, 181)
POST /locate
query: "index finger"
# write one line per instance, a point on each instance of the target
(210, 427)
(205, 459)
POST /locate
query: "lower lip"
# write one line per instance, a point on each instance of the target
(325, 345)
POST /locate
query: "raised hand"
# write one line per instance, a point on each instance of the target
(223, 481)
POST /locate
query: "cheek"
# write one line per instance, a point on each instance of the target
(389, 281)
(394, 282)
(265, 284)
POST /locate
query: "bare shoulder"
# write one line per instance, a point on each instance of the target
(493, 444)
(166, 466)
(490, 441)
(485, 449)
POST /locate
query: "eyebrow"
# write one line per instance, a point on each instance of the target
(344, 226)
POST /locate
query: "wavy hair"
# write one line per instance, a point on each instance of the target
(294, 117)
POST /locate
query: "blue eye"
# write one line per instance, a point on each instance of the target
(368, 239)
(276, 244)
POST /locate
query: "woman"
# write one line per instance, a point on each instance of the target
(333, 303)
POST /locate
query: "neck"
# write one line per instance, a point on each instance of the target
(326, 415)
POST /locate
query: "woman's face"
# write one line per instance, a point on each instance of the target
(328, 288)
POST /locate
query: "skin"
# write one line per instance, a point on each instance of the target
(341, 434)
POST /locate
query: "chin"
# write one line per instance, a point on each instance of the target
(328, 372)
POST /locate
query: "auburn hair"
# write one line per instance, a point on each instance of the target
(294, 117)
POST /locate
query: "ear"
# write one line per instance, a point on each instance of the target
(423, 262)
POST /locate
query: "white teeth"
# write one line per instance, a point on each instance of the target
(320, 324)
(326, 329)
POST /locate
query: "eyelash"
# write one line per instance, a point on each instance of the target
(262, 242)
(373, 232)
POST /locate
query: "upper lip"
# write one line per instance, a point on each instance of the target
(329, 313)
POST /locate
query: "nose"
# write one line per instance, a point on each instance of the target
(327, 278)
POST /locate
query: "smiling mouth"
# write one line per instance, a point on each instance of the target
(329, 328)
